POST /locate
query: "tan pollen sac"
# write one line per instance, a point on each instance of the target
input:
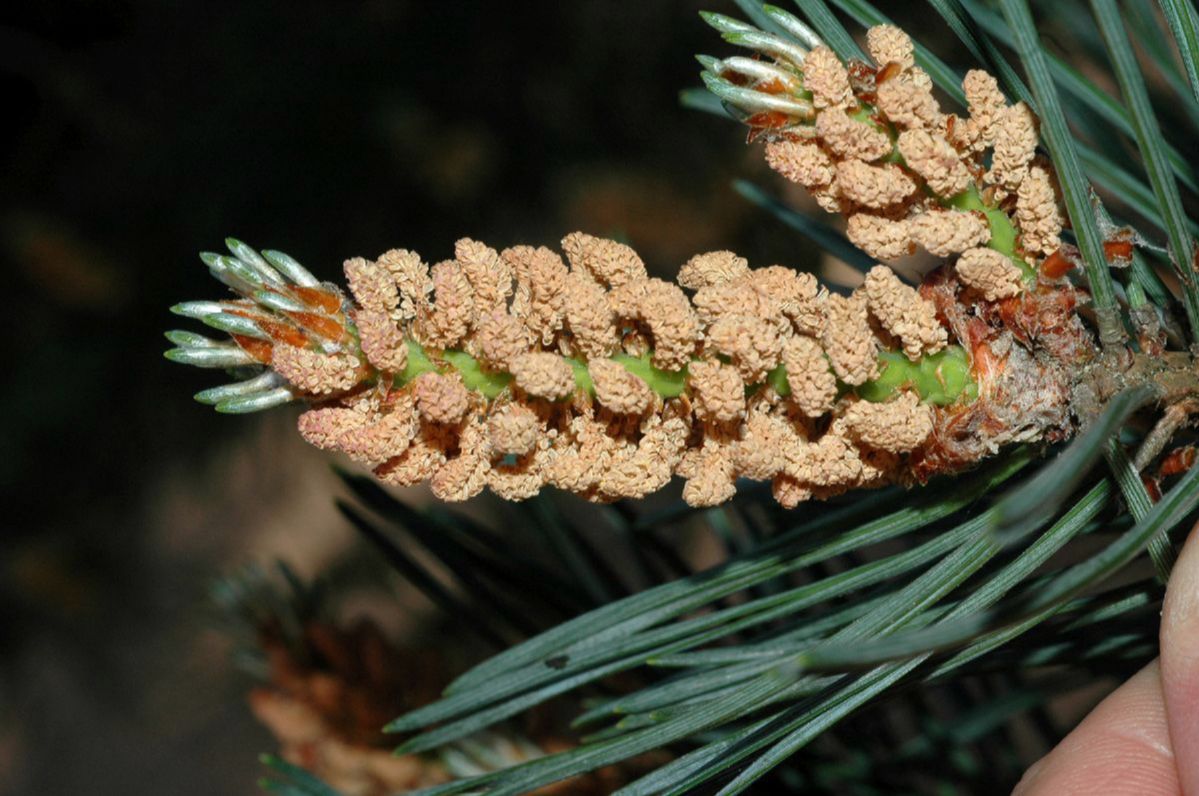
(935, 159)
(921, 79)
(447, 320)
(788, 491)
(910, 103)
(541, 279)
(1015, 146)
(712, 482)
(498, 338)
(849, 138)
(314, 372)
(617, 389)
(441, 397)
(830, 199)
(946, 232)
(875, 187)
(625, 301)
(758, 454)
(635, 471)
(513, 429)
(986, 102)
(411, 277)
(882, 238)
(660, 449)
(543, 374)
(489, 275)
(610, 263)
(322, 427)
(739, 297)
(832, 461)
(797, 457)
(688, 464)
(717, 391)
(809, 375)
(371, 285)
(522, 479)
(888, 44)
(903, 313)
(754, 344)
(1037, 213)
(663, 442)
(383, 438)
(990, 272)
(826, 77)
(849, 341)
(465, 475)
(712, 268)
(579, 456)
(589, 319)
(897, 426)
(797, 296)
(623, 476)
(672, 321)
(801, 162)
(381, 340)
(879, 467)
(419, 461)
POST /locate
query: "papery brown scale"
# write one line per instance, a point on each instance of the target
(282, 333)
(1178, 461)
(1045, 318)
(327, 301)
(1152, 487)
(984, 361)
(1117, 251)
(259, 349)
(764, 121)
(942, 453)
(863, 78)
(736, 78)
(887, 72)
(774, 86)
(278, 332)
(1056, 265)
(325, 327)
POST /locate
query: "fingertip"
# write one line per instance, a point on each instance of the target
(1120, 749)
(1180, 661)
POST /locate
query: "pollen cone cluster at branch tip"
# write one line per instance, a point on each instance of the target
(870, 142)
(518, 369)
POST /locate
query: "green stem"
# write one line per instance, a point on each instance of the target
(418, 363)
(941, 379)
(474, 376)
(668, 384)
(1003, 232)
(489, 383)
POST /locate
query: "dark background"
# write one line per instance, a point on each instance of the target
(138, 133)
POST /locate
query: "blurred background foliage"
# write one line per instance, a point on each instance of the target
(139, 133)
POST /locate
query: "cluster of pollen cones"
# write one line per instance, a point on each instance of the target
(518, 369)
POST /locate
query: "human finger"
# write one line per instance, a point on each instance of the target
(1180, 662)
(1122, 748)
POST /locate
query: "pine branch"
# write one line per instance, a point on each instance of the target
(816, 620)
